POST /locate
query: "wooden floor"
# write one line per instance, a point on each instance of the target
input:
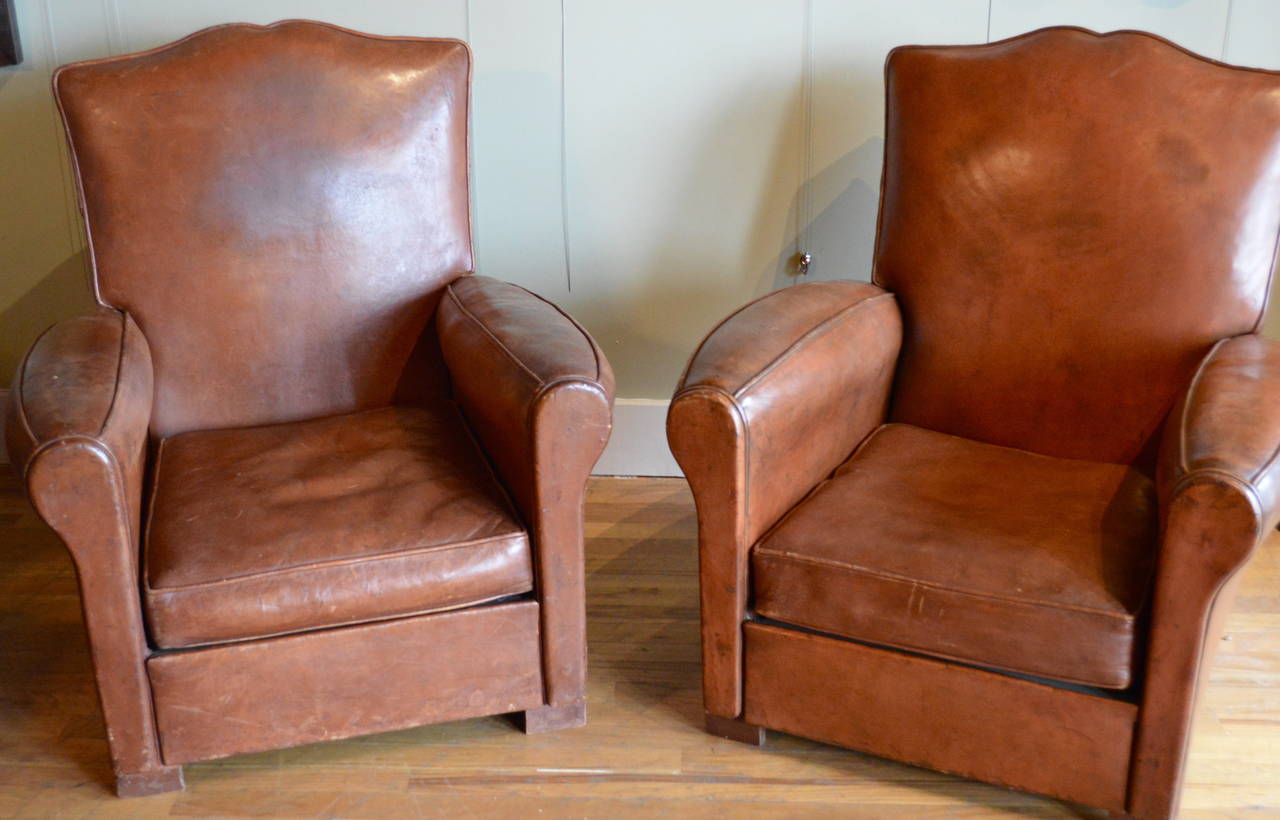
(643, 752)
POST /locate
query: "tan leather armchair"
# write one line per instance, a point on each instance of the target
(982, 515)
(316, 480)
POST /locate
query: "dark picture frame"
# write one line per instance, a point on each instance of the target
(10, 45)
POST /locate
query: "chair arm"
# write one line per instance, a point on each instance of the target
(774, 399)
(1226, 427)
(1216, 476)
(85, 387)
(539, 394)
(76, 430)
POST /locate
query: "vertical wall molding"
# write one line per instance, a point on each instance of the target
(564, 155)
(116, 41)
(75, 231)
(804, 202)
(1226, 31)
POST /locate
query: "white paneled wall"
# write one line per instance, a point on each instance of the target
(683, 139)
(649, 164)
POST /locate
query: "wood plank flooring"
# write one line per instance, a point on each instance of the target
(642, 754)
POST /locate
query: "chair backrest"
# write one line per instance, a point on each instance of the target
(1070, 220)
(278, 208)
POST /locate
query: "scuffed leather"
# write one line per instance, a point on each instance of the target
(76, 431)
(539, 394)
(773, 400)
(280, 208)
(277, 207)
(1067, 236)
(1069, 222)
(970, 551)
(263, 531)
(317, 685)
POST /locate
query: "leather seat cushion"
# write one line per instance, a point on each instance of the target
(268, 530)
(969, 551)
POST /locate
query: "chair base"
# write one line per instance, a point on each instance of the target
(554, 718)
(735, 729)
(158, 781)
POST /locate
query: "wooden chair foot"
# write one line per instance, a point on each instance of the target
(157, 781)
(735, 729)
(555, 718)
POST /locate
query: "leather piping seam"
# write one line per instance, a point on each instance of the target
(586, 337)
(685, 375)
(167, 656)
(1189, 474)
(1046, 30)
(1186, 402)
(854, 569)
(936, 656)
(341, 562)
(374, 619)
(689, 365)
(792, 350)
(42, 445)
(1266, 294)
(1209, 474)
(516, 359)
(152, 746)
(741, 554)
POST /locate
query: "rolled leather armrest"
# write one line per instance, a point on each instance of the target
(84, 391)
(539, 394)
(1226, 427)
(521, 368)
(1216, 477)
(774, 399)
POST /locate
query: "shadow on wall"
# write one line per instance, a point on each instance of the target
(841, 236)
(62, 293)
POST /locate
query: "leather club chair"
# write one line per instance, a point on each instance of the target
(316, 480)
(983, 514)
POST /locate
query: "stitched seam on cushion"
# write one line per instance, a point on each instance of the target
(902, 579)
(826, 631)
(210, 644)
(793, 349)
(338, 562)
(490, 335)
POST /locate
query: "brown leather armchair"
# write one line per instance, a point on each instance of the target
(316, 480)
(983, 514)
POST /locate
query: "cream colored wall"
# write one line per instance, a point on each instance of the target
(650, 164)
